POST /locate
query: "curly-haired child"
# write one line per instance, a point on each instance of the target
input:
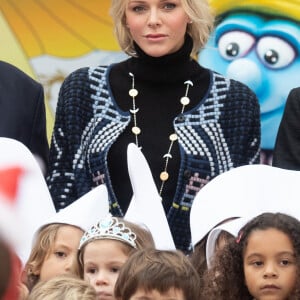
(262, 263)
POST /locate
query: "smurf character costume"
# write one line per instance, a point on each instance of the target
(257, 43)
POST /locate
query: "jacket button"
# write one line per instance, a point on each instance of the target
(187, 174)
(181, 118)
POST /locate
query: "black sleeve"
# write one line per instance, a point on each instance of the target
(38, 143)
(287, 147)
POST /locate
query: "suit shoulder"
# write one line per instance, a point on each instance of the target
(10, 73)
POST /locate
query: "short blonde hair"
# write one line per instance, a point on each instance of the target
(198, 11)
(63, 287)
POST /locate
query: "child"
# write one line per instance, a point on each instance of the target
(105, 247)
(262, 263)
(53, 253)
(54, 250)
(63, 287)
(157, 274)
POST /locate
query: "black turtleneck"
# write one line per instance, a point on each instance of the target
(160, 83)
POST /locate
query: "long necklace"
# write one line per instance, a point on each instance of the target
(185, 100)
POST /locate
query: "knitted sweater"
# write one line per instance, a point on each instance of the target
(219, 133)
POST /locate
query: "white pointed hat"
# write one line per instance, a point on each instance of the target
(10, 225)
(243, 191)
(32, 206)
(85, 211)
(82, 213)
(32, 202)
(145, 206)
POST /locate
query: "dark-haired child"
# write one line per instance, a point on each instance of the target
(262, 263)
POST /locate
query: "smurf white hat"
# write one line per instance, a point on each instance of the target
(82, 213)
(10, 227)
(145, 206)
(241, 192)
(85, 211)
(30, 204)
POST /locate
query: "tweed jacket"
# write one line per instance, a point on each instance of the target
(221, 133)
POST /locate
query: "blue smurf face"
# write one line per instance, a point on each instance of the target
(263, 54)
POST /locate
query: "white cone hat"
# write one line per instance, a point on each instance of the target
(241, 192)
(32, 206)
(145, 206)
(31, 203)
(85, 211)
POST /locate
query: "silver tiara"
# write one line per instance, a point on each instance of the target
(109, 228)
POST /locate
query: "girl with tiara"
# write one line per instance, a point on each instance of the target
(105, 247)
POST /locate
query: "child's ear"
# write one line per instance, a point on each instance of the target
(30, 276)
(32, 269)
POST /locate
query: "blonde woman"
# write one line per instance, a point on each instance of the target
(190, 122)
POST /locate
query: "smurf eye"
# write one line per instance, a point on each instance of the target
(235, 44)
(275, 52)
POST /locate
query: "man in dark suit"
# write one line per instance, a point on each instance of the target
(22, 111)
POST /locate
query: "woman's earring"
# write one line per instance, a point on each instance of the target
(190, 22)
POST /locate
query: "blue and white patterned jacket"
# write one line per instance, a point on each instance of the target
(221, 133)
